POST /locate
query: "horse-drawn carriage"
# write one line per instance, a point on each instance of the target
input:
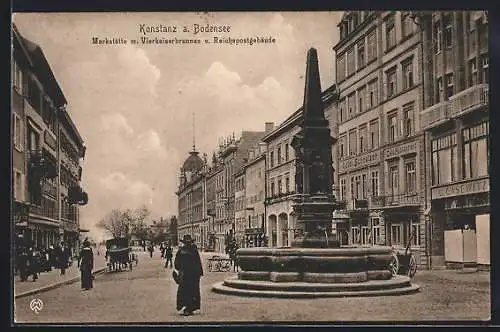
(403, 262)
(119, 255)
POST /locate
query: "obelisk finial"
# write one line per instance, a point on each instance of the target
(313, 106)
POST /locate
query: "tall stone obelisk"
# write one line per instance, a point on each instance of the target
(314, 203)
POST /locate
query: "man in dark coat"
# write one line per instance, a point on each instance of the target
(188, 264)
(86, 264)
(168, 254)
(63, 256)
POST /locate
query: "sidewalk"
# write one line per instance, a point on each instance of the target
(53, 279)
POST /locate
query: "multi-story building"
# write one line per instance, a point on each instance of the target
(39, 153)
(280, 176)
(456, 124)
(191, 195)
(239, 207)
(380, 149)
(255, 194)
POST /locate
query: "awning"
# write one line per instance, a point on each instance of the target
(82, 230)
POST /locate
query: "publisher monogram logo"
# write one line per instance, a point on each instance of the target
(36, 305)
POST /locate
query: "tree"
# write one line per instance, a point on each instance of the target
(138, 222)
(116, 223)
(172, 230)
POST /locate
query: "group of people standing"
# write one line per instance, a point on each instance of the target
(31, 261)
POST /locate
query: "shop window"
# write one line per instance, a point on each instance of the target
(377, 238)
(444, 159)
(475, 151)
(415, 230)
(396, 234)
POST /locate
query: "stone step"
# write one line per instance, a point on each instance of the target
(260, 285)
(222, 289)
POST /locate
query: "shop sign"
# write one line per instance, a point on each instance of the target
(359, 161)
(464, 188)
(401, 150)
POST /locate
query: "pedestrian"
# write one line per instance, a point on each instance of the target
(151, 249)
(232, 255)
(86, 265)
(189, 269)
(34, 262)
(168, 255)
(63, 255)
(23, 262)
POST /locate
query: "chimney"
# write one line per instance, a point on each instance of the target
(269, 126)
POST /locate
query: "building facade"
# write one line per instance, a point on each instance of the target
(39, 117)
(239, 207)
(380, 149)
(456, 124)
(255, 194)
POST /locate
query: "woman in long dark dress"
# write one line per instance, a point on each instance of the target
(188, 263)
(86, 264)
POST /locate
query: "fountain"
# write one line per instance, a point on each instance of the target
(315, 265)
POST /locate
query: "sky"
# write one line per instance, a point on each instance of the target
(133, 104)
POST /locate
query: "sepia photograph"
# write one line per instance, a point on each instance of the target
(250, 167)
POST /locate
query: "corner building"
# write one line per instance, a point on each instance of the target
(456, 123)
(380, 177)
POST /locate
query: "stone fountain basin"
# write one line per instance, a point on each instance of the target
(315, 265)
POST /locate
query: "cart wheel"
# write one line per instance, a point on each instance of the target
(412, 266)
(394, 265)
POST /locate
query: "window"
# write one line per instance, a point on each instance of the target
(407, 74)
(444, 159)
(371, 53)
(393, 181)
(353, 189)
(359, 191)
(439, 89)
(449, 85)
(476, 154)
(343, 145)
(372, 93)
(448, 32)
(391, 83)
(287, 184)
(485, 76)
(411, 178)
(377, 239)
(362, 139)
(18, 186)
(396, 237)
(374, 176)
(361, 54)
(361, 99)
(366, 235)
(351, 101)
(17, 77)
(390, 33)
(18, 132)
(271, 157)
(272, 188)
(33, 94)
(341, 67)
(408, 25)
(343, 110)
(353, 141)
(351, 68)
(363, 187)
(408, 127)
(279, 185)
(438, 37)
(287, 156)
(472, 72)
(342, 189)
(415, 231)
(355, 235)
(392, 127)
(279, 155)
(374, 135)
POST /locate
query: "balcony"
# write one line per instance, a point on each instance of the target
(459, 104)
(402, 200)
(377, 202)
(36, 157)
(49, 189)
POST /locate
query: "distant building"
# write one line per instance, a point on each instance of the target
(239, 207)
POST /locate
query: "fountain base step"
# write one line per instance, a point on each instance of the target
(396, 286)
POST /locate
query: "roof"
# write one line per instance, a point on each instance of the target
(296, 117)
(41, 68)
(72, 128)
(193, 162)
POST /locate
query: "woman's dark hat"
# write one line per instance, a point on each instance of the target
(86, 243)
(186, 239)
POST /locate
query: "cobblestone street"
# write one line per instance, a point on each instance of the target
(148, 292)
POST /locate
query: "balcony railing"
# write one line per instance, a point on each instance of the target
(403, 200)
(461, 103)
(377, 201)
(49, 189)
(43, 211)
